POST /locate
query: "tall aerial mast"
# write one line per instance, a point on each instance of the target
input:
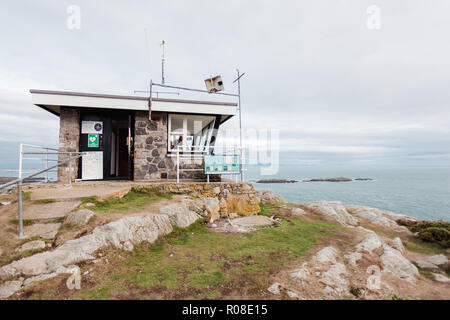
(163, 61)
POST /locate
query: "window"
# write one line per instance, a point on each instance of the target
(190, 133)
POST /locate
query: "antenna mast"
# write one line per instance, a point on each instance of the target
(163, 61)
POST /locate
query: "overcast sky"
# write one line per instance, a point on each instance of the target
(338, 91)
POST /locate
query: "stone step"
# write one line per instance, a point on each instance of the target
(46, 211)
(79, 192)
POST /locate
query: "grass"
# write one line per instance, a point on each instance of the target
(57, 220)
(136, 198)
(196, 263)
(46, 201)
(427, 273)
(26, 195)
(26, 222)
(266, 208)
(417, 245)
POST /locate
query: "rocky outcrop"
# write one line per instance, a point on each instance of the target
(397, 265)
(438, 260)
(79, 218)
(31, 245)
(123, 233)
(377, 216)
(268, 196)
(334, 210)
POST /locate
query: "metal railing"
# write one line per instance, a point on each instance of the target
(47, 169)
(199, 152)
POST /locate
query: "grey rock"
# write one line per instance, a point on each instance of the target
(301, 273)
(8, 288)
(353, 258)
(31, 245)
(42, 230)
(179, 214)
(370, 242)
(268, 196)
(292, 295)
(334, 210)
(274, 288)
(333, 278)
(440, 278)
(398, 244)
(397, 265)
(426, 265)
(327, 254)
(79, 218)
(438, 260)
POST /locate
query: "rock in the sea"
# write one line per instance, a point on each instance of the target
(339, 179)
(397, 265)
(276, 181)
(438, 260)
(327, 254)
(334, 210)
(8, 288)
(31, 245)
(268, 196)
(274, 288)
(79, 218)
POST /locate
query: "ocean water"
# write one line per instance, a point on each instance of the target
(423, 193)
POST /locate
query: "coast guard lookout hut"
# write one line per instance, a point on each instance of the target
(124, 138)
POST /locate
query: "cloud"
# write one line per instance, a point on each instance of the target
(336, 91)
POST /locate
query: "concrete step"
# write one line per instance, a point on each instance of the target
(48, 211)
(74, 192)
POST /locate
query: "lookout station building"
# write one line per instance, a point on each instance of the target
(125, 139)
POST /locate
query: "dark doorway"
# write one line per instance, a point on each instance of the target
(116, 143)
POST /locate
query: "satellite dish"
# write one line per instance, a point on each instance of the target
(214, 84)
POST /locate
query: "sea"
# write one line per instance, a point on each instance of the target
(422, 193)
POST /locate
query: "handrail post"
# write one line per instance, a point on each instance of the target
(178, 164)
(70, 169)
(21, 235)
(46, 165)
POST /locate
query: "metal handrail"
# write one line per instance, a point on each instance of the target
(20, 180)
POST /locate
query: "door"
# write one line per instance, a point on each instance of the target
(91, 142)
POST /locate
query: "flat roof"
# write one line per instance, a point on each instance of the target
(52, 101)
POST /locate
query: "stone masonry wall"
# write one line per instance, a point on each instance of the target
(69, 138)
(152, 161)
(235, 199)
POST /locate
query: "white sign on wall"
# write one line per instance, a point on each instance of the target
(92, 127)
(92, 166)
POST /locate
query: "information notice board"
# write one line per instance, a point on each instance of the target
(222, 164)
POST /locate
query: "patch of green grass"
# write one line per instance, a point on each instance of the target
(138, 197)
(417, 245)
(57, 220)
(200, 263)
(388, 234)
(99, 293)
(46, 201)
(427, 273)
(266, 208)
(26, 222)
(26, 195)
(397, 297)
